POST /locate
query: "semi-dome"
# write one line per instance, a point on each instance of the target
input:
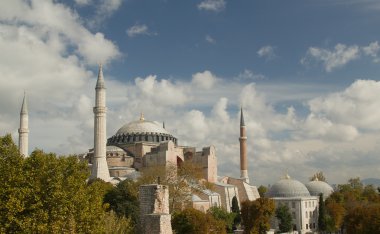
(288, 187)
(317, 187)
(140, 131)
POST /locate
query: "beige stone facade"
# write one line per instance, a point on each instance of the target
(154, 209)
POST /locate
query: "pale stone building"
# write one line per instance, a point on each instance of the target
(302, 206)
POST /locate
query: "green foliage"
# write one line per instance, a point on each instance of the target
(192, 221)
(322, 224)
(319, 175)
(44, 193)
(236, 210)
(336, 213)
(285, 218)
(114, 224)
(178, 181)
(221, 214)
(354, 207)
(262, 190)
(123, 200)
(364, 219)
(256, 215)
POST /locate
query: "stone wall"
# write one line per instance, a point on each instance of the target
(154, 209)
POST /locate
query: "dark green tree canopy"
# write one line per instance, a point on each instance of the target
(44, 193)
(284, 217)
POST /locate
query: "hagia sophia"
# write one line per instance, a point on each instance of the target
(143, 143)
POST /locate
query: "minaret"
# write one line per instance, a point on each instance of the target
(23, 131)
(99, 163)
(243, 149)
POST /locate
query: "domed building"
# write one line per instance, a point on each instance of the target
(145, 143)
(142, 143)
(317, 187)
(302, 205)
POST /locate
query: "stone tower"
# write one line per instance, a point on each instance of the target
(154, 209)
(23, 131)
(99, 165)
(243, 149)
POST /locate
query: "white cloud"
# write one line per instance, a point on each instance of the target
(356, 106)
(266, 52)
(59, 25)
(372, 50)
(139, 29)
(103, 10)
(83, 2)
(209, 39)
(212, 5)
(250, 75)
(46, 50)
(204, 80)
(161, 92)
(332, 59)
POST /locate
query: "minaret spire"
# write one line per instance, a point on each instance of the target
(99, 163)
(23, 131)
(243, 149)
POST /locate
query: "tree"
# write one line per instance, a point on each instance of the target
(192, 221)
(236, 210)
(221, 214)
(262, 190)
(123, 200)
(284, 217)
(117, 225)
(182, 180)
(256, 215)
(322, 214)
(318, 175)
(337, 212)
(44, 193)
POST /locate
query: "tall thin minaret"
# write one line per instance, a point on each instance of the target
(23, 131)
(243, 149)
(99, 164)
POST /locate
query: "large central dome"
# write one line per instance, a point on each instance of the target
(140, 131)
(140, 126)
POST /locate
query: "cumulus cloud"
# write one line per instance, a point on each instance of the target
(204, 80)
(356, 105)
(212, 5)
(46, 51)
(138, 29)
(161, 92)
(60, 26)
(332, 59)
(266, 52)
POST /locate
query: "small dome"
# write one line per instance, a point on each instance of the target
(112, 148)
(142, 126)
(288, 187)
(317, 187)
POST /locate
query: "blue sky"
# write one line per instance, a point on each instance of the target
(305, 72)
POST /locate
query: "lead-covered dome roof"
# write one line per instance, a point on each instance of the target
(288, 187)
(140, 131)
(317, 187)
(142, 126)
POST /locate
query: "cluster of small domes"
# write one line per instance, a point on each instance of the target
(288, 187)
